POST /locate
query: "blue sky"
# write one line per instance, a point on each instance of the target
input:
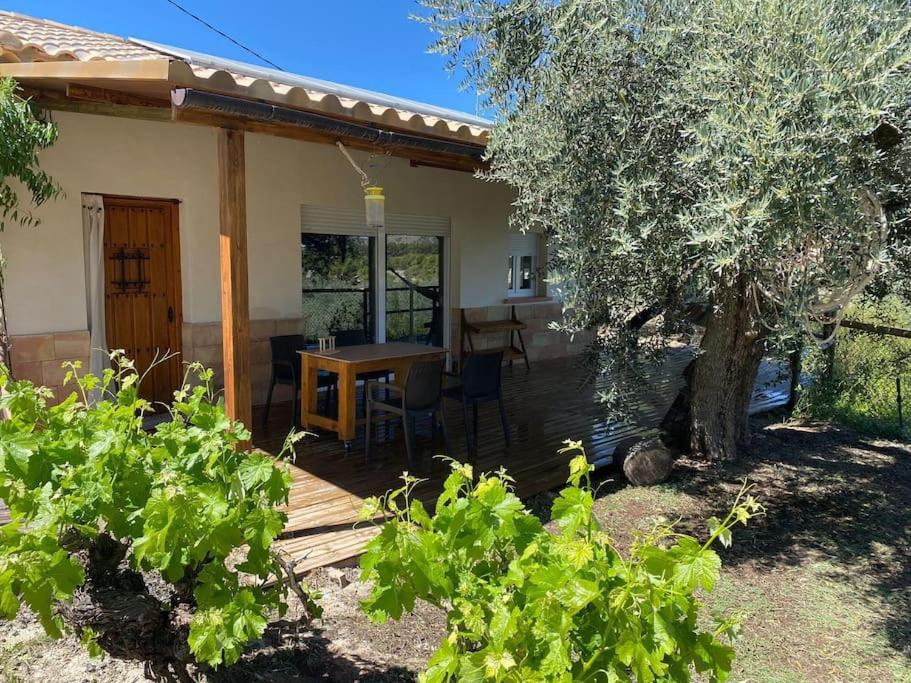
(368, 44)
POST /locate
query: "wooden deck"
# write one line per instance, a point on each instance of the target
(546, 405)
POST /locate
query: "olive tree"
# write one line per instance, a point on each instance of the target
(746, 156)
(22, 136)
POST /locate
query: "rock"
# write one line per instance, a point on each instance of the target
(647, 462)
(338, 576)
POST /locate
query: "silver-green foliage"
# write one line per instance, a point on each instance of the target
(524, 604)
(672, 147)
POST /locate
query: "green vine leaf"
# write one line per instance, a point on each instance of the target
(183, 501)
(526, 604)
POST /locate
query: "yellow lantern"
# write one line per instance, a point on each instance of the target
(376, 207)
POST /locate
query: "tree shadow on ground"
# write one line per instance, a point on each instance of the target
(295, 654)
(830, 495)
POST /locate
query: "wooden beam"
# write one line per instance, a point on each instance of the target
(102, 109)
(235, 295)
(439, 160)
(58, 101)
(155, 70)
(93, 100)
(90, 93)
(876, 329)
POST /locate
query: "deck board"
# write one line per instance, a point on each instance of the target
(546, 405)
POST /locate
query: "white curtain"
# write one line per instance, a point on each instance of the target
(93, 242)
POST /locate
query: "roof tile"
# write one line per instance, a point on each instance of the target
(49, 40)
(27, 39)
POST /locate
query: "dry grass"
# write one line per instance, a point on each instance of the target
(824, 579)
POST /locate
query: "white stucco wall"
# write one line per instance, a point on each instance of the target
(45, 271)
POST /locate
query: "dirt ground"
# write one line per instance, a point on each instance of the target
(823, 581)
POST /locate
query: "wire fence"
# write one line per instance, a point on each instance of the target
(409, 313)
(864, 380)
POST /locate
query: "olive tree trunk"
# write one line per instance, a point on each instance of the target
(724, 374)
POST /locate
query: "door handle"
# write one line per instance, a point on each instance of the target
(170, 314)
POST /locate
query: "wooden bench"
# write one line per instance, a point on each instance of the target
(514, 350)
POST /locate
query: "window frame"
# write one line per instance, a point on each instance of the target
(522, 246)
(321, 219)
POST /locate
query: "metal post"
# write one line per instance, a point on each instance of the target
(794, 363)
(828, 332)
(898, 394)
(411, 314)
(365, 294)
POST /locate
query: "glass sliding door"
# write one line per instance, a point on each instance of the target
(339, 284)
(414, 289)
(388, 282)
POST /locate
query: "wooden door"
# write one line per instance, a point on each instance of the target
(142, 289)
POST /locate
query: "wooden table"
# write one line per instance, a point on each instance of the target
(347, 362)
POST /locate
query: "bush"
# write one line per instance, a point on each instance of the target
(859, 390)
(149, 545)
(524, 604)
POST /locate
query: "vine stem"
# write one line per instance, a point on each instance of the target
(290, 580)
(5, 355)
(744, 487)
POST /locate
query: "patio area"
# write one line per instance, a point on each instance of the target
(546, 405)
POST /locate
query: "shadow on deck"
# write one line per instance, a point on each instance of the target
(546, 405)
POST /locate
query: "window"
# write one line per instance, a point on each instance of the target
(521, 264)
(339, 282)
(415, 288)
(390, 282)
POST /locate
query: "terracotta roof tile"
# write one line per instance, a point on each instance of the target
(42, 40)
(27, 39)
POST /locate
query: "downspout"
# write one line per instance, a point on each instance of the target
(187, 99)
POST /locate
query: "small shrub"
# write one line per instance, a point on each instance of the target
(524, 604)
(149, 545)
(860, 391)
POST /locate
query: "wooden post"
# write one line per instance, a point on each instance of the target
(795, 365)
(235, 295)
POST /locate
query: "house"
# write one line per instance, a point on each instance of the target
(228, 205)
(209, 206)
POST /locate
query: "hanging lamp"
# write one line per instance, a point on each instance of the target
(374, 199)
(375, 203)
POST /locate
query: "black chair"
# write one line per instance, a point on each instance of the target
(350, 337)
(286, 369)
(480, 381)
(435, 326)
(422, 394)
(359, 338)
